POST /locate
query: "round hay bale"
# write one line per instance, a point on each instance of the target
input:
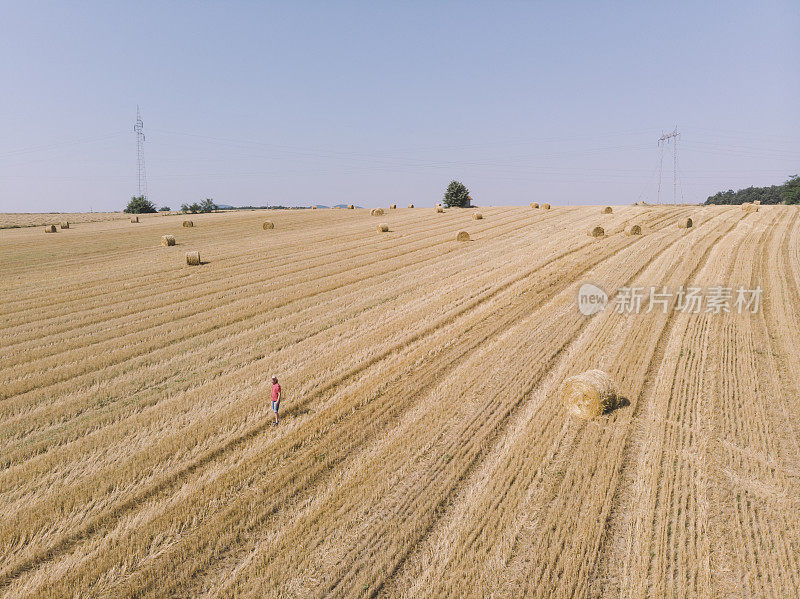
(606, 210)
(50, 229)
(477, 215)
(313, 207)
(462, 236)
(596, 232)
(193, 258)
(383, 228)
(351, 207)
(439, 208)
(589, 394)
(134, 219)
(534, 204)
(376, 212)
(65, 225)
(634, 230)
(168, 240)
(267, 224)
(188, 223)
(757, 202)
(411, 205)
(545, 206)
(685, 224)
(392, 206)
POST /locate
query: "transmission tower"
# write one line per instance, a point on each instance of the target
(138, 129)
(662, 141)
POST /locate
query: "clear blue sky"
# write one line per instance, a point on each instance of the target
(375, 102)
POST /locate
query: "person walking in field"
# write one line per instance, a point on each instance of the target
(276, 397)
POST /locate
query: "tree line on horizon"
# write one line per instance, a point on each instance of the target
(788, 193)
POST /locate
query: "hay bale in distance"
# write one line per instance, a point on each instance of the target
(65, 225)
(50, 229)
(597, 232)
(477, 215)
(313, 207)
(534, 204)
(685, 223)
(757, 202)
(267, 224)
(351, 207)
(411, 205)
(545, 206)
(606, 210)
(634, 230)
(383, 228)
(134, 219)
(439, 208)
(462, 236)
(188, 223)
(393, 207)
(168, 240)
(589, 394)
(376, 212)
(193, 258)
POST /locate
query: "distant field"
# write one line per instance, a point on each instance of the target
(422, 451)
(35, 219)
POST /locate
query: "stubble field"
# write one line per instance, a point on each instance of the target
(422, 450)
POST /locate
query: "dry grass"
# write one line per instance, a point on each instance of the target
(423, 451)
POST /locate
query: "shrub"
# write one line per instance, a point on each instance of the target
(456, 195)
(140, 205)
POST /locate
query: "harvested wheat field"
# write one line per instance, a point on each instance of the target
(424, 449)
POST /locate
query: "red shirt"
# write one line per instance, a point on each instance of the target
(276, 391)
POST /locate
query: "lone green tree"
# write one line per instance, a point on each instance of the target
(790, 193)
(457, 195)
(208, 205)
(140, 205)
